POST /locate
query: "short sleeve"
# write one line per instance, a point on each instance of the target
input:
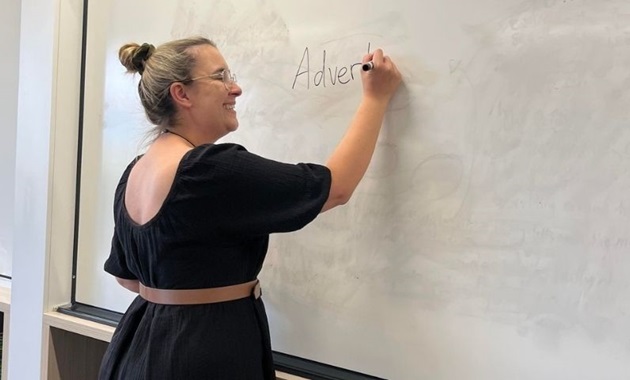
(240, 192)
(116, 263)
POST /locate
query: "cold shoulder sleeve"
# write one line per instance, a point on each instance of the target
(235, 191)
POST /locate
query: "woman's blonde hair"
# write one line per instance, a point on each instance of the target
(159, 68)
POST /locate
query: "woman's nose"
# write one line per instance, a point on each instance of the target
(235, 89)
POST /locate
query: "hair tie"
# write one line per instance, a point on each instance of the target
(142, 55)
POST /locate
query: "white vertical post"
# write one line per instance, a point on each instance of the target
(46, 146)
(32, 184)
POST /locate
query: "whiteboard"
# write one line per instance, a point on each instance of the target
(489, 238)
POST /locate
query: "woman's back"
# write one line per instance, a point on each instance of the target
(152, 177)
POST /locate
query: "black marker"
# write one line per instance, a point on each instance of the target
(368, 66)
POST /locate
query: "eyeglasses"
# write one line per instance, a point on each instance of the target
(225, 75)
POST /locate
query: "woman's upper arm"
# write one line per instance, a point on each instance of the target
(250, 194)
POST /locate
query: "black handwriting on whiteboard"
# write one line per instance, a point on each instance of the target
(326, 74)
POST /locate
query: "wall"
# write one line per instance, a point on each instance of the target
(10, 48)
(47, 120)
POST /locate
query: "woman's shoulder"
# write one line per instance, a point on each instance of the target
(213, 150)
(125, 175)
(211, 154)
(124, 178)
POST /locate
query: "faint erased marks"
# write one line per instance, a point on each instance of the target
(438, 176)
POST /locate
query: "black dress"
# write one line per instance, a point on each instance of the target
(212, 230)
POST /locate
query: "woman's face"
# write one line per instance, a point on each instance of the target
(213, 100)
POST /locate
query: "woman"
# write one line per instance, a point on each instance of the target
(193, 217)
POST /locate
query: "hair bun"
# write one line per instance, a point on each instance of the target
(141, 56)
(134, 56)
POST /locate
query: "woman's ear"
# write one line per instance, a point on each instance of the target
(179, 93)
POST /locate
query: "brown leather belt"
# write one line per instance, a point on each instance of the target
(200, 296)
